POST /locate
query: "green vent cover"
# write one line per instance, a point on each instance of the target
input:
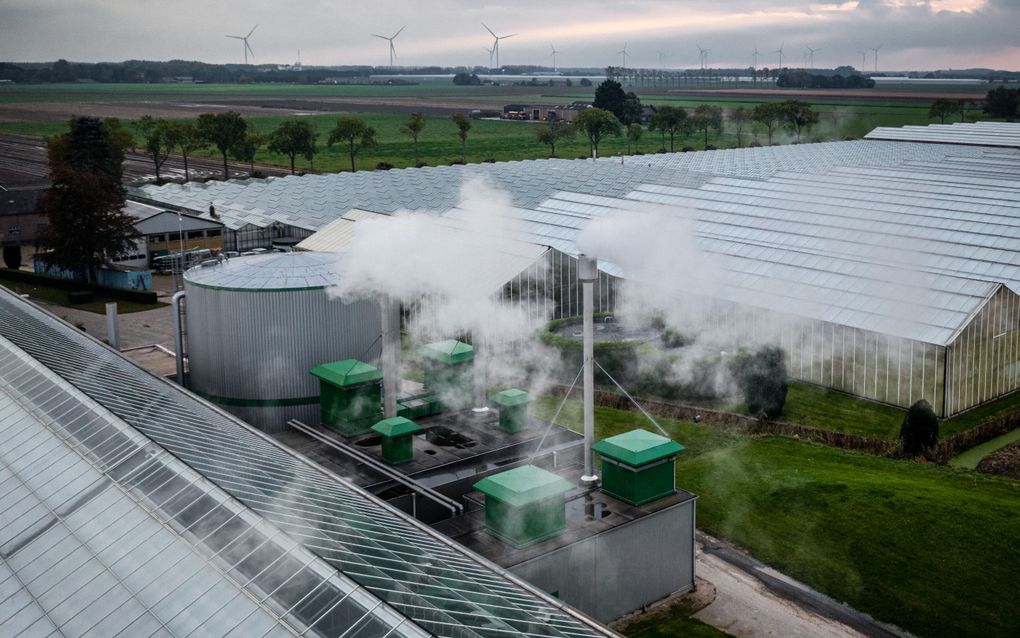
(448, 352)
(637, 447)
(524, 505)
(397, 441)
(638, 466)
(347, 373)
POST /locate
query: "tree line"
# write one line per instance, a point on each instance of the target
(999, 102)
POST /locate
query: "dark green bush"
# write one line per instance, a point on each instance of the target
(920, 431)
(762, 379)
(80, 296)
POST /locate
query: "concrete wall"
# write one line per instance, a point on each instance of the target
(623, 569)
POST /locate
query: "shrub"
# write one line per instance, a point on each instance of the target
(383, 166)
(12, 257)
(762, 380)
(920, 431)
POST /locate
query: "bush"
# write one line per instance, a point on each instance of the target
(12, 257)
(920, 431)
(762, 380)
(688, 149)
(383, 166)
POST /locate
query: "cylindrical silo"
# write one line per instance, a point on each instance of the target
(257, 325)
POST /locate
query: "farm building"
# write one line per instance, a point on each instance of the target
(890, 264)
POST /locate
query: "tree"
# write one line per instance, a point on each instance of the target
(625, 106)
(707, 116)
(768, 115)
(671, 120)
(634, 133)
(120, 136)
(553, 133)
(157, 140)
(943, 108)
(413, 127)
(463, 124)
(466, 79)
(85, 200)
(186, 138)
(799, 116)
(293, 138)
(247, 147)
(739, 116)
(1002, 102)
(226, 131)
(920, 430)
(356, 134)
(762, 379)
(594, 124)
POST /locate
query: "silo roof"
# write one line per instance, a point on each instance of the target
(276, 271)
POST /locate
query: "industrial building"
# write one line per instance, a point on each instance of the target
(847, 231)
(134, 508)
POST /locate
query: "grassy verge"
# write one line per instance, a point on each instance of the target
(820, 408)
(675, 626)
(59, 297)
(926, 547)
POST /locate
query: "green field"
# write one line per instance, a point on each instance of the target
(495, 140)
(926, 547)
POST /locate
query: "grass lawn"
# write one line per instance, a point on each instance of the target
(821, 408)
(677, 626)
(59, 296)
(928, 548)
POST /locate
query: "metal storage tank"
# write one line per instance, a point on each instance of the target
(257, 325)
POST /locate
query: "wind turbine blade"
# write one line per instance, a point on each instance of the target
(236, 37)
(381, 37)
(398, 32)
(248, 46)
(508, 36)
(490, 31)
(252, 31)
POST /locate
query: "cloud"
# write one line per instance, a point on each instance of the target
(915, 33)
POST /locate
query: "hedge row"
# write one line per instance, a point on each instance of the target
(23, 276)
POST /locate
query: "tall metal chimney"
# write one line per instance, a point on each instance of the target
(587, 274)
(481, 402)
(390, 312)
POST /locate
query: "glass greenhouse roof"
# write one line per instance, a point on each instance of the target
(975, 133)
(345, 554)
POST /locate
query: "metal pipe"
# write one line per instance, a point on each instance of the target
(390, 311)
(175, 305)
(587, 273)
(481, 403)
(112, 334)
(455, 508)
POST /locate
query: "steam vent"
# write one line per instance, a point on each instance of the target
(524, 505)
(638, 466)
(397, 444)
(448, 370)
(350, 395)
(513, 409)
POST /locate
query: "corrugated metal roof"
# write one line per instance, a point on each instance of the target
(973, 133)
(442, 587)
(336, 236)
(275, 271)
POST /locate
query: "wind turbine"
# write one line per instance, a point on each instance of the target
(704, 56)
(554, 52)
(393, 50)
(864, 60)
(754, 58)
(624, 53)
(875, 49)
(489, 51)
(811, 55)
(495, 44)
(244, 38)
(780, 52)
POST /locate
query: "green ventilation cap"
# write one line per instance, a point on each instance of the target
(449, 351)
(523, 485)
(511, 397)
(637, 447)
(396, 426)
(347, 372)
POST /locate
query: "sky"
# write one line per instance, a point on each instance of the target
(910, 34)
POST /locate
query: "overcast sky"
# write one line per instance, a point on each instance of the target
(912, 34)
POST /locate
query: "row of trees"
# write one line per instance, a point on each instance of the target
(675, 123)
